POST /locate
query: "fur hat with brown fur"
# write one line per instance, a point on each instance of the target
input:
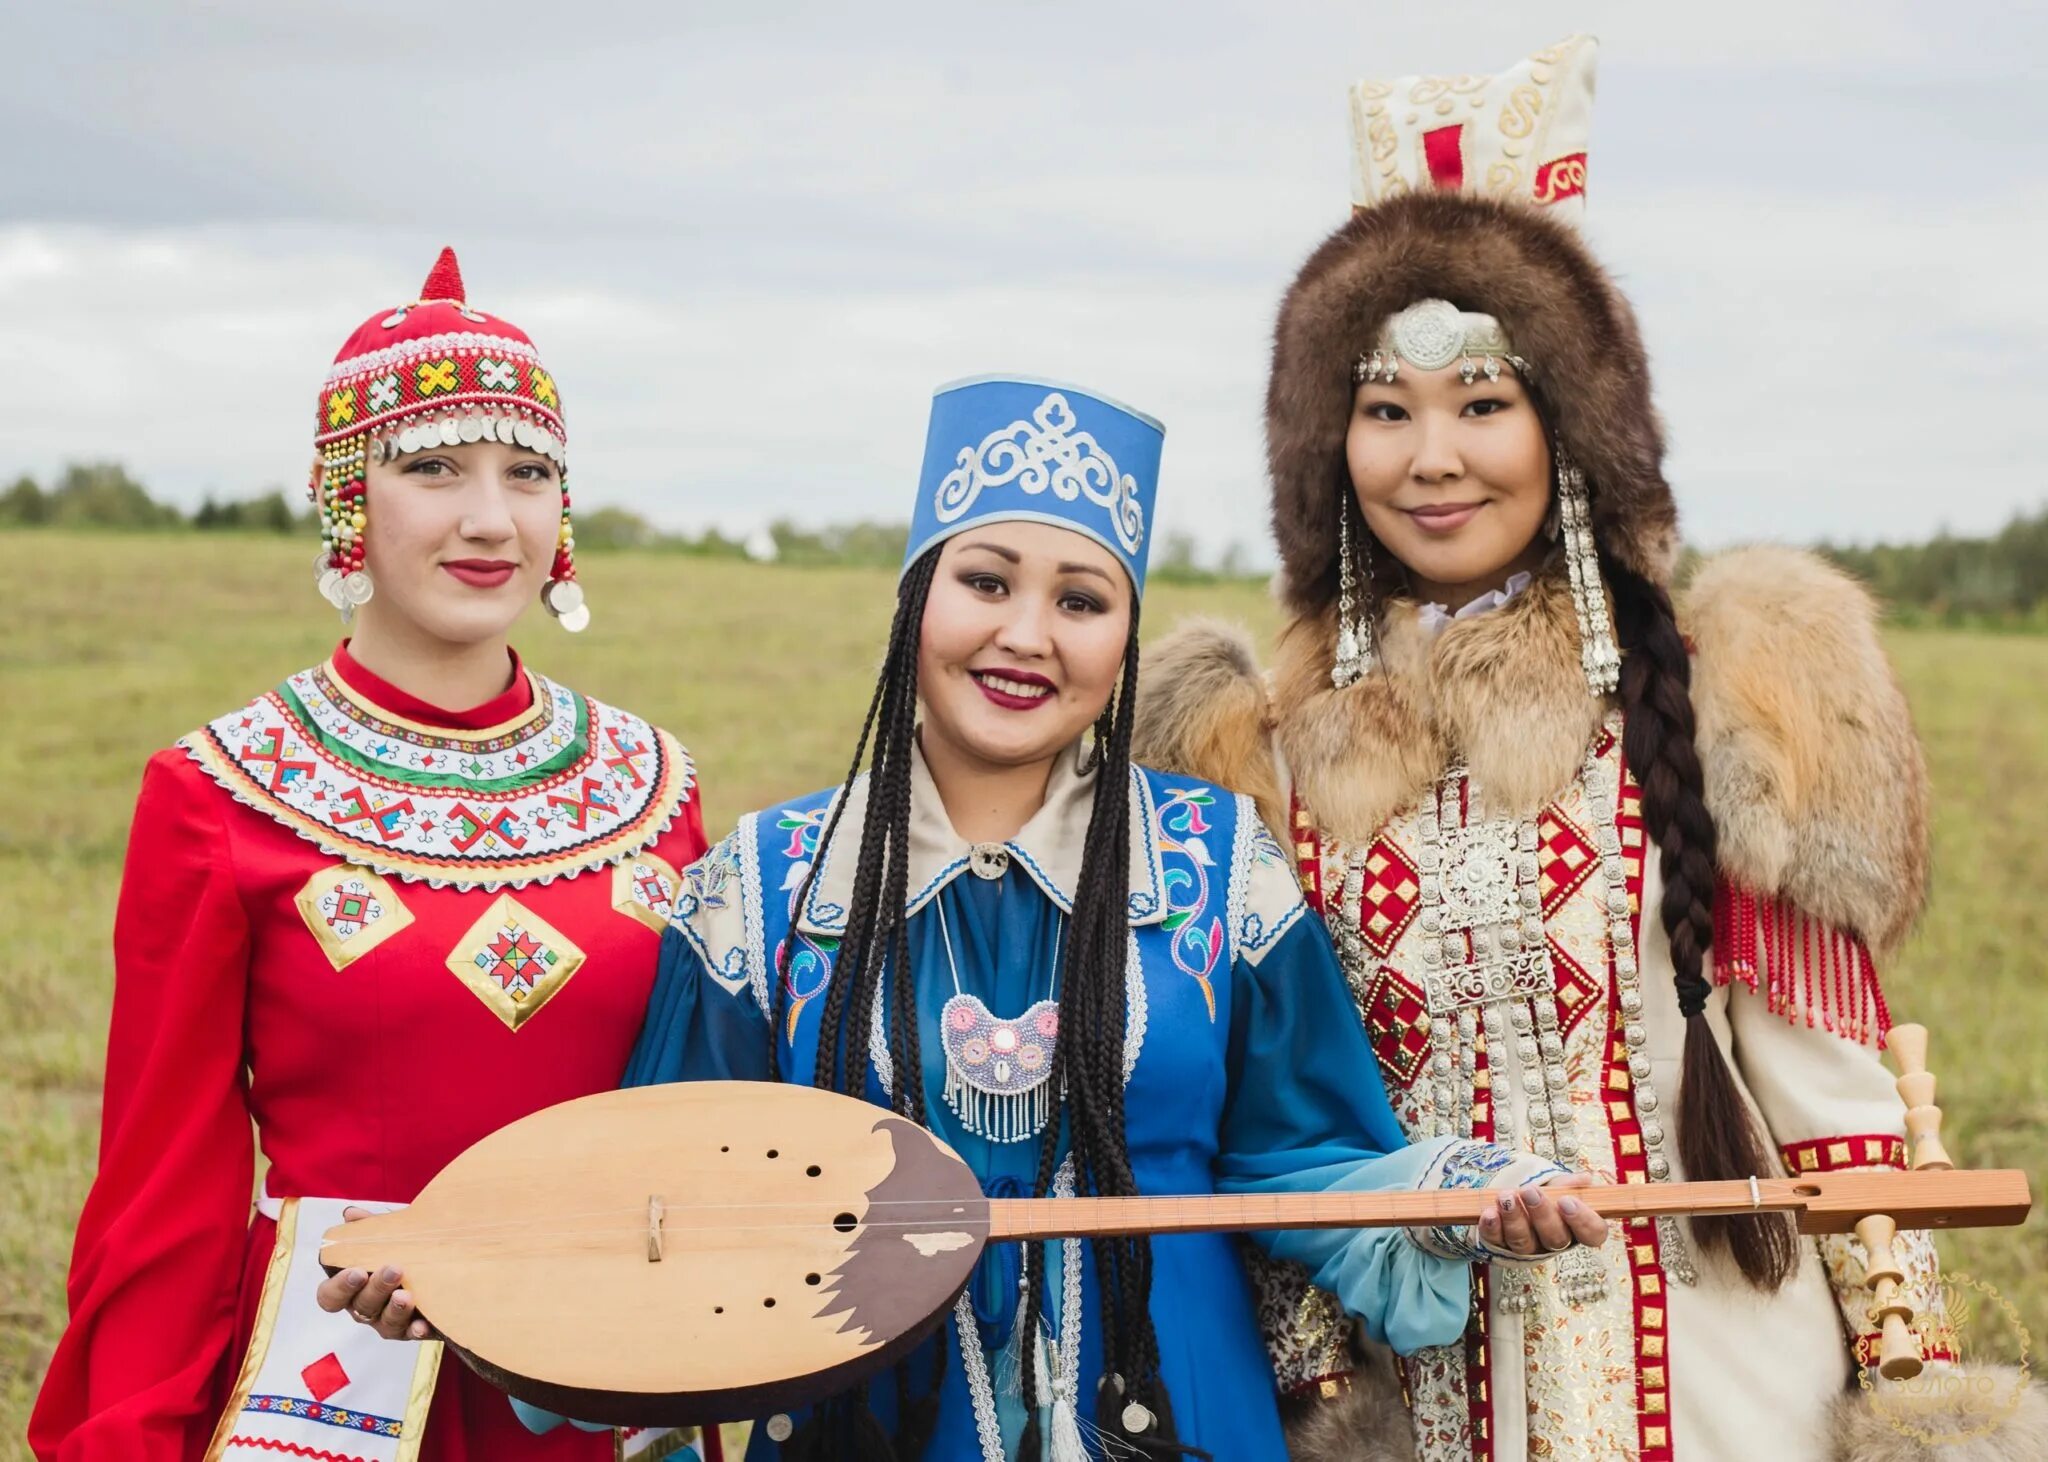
(1533, 274)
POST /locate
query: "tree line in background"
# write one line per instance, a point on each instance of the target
(1998, 581)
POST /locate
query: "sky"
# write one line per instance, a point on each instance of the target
(750, 239)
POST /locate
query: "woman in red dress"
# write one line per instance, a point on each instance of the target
(408, 896)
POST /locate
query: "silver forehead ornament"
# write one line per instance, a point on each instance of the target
(1432, 333)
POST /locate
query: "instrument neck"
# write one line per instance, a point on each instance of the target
(1055, 1218)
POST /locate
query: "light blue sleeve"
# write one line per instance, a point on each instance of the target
(1307, 1113)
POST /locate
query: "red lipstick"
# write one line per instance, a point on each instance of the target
(481, 573)
(1014, 690)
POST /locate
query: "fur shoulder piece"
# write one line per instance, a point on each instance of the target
(2003, 1418)
(1203, 712)
(1815, 779)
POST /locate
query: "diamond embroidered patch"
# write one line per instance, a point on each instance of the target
(1565, 858)
(325, 1376)
(350, 911)
(514, 961)
(644, 888)
(1389, 898)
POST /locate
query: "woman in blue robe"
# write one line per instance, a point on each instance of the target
(1084, 975)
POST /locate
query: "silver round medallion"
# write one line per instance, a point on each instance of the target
(1136, 1419)
(356, 589)
(577, 620)
(451, 432)
(780, 1427)
(471, 429)
(1429, 335)
(988, 860)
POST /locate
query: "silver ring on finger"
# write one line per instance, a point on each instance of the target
(1558, 1248)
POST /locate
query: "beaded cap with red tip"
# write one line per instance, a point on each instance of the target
(433, 373)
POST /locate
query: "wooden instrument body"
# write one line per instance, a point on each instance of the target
(714, 1251)
(807, 1241)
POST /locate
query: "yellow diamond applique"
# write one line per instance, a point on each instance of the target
(350, 911)
(644, 888)
(514, 961)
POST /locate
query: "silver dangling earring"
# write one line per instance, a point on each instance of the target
(563, 598)
(1354, 607)
(1598, 655)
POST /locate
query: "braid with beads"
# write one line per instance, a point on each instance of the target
(1717, 1140)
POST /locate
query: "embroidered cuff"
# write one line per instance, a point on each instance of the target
(1833, 1154)
(1471, 1164)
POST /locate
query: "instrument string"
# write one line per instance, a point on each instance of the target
(1423, 1208)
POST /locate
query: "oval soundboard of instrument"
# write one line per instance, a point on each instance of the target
(716, 1250)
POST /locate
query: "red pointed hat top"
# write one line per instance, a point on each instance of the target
(444, 280)
(435, 357)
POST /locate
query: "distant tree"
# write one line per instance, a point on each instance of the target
(608, 528)
(24, 504)
(103, 495)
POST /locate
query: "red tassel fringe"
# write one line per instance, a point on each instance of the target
(1803, 968)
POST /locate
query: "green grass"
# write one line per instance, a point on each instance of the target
(112, 646)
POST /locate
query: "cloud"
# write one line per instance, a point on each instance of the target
(750, 243)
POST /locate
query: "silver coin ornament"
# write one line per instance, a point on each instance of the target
(472, 429)
(356, 588)
(330, 587)
(451, 432)
(1136, 1419)
(576, 620)
(562, 596)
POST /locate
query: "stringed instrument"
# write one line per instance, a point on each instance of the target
(708, 1251)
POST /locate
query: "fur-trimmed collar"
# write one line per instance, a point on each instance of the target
(1502, 690)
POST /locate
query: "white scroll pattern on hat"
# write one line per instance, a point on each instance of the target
(1046, 453)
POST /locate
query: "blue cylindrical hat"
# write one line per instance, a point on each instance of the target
(1012, 448)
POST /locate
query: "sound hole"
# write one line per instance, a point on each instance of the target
(725, 1149)
(718, 1309)
(773, 1153)
(810, 1279)
(813, 1170)
(845, 1223)
(769, 1303)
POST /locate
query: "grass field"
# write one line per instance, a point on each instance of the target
(113, 646)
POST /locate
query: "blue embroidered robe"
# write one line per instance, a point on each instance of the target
(1246, 1067)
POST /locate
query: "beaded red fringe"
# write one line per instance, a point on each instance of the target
(1802, 967)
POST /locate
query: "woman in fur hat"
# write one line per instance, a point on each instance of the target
(1608, 879)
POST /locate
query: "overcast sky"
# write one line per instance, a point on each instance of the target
(749, 238)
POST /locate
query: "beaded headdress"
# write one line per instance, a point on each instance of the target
(1011, 448)
(433, 373)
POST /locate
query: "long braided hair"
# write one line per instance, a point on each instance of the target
(1087, 1064)
(1717, 1140)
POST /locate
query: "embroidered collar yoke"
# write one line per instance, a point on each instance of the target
(559, 785)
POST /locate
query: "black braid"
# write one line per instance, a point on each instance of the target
(875, 946)
(1717, 1140)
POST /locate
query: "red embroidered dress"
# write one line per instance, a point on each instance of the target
(380, 931)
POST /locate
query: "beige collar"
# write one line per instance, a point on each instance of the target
(1048, 847)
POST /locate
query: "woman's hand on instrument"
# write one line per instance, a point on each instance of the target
(376, 1299)
(1539, 1219)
